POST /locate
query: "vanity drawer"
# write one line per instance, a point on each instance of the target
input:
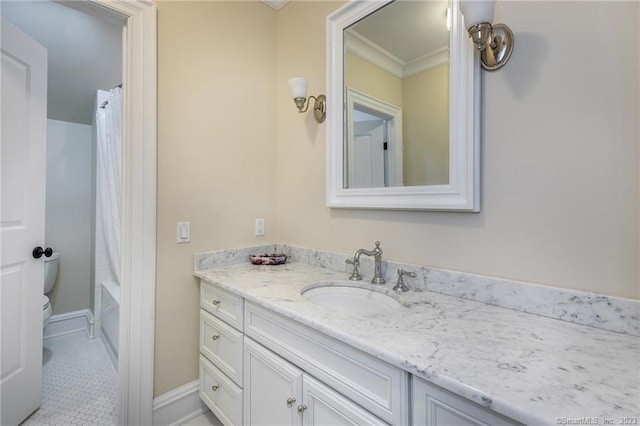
(377, 386)
(222, 396)
(223, 304)
(222, 345)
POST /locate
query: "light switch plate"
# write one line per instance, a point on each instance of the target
(183, 232)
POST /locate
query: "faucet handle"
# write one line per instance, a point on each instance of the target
(400, 285)
(355, 274)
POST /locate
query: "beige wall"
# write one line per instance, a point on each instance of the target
(425, 127)
(367, 78)
(216, 155)
(560, 155)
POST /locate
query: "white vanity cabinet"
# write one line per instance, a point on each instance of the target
(377, 387)
(433, 406)
(279, 393)
(260, 367)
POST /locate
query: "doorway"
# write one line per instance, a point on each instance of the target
(373, 146)
(135, 364)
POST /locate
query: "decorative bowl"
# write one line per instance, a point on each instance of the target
(268, 259)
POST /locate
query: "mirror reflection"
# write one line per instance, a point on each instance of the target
(396, 75)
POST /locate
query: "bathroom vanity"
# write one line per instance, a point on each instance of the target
(265, 368)
(269, 355)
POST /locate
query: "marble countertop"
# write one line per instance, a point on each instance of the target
(533, 369)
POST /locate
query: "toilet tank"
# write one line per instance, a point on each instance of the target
(50, 271)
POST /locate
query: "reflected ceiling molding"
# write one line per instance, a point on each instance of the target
(371, 52)
(426, 62)
(368, 50)
(275, 4)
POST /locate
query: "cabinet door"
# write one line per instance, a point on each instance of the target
(273, 388)
(433, 406)
(325, 407)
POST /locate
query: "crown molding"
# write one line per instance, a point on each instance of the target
(426, 62)
(382, 58)
(373, 53)
(275, 4)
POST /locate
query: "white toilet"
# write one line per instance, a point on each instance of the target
(50, 274)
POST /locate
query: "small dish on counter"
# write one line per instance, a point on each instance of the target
(268, 259)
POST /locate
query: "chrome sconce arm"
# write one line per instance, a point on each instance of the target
(319, 106)
(298, 87)
(494, 42)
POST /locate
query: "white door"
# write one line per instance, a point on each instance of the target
(22, 203)
(369, 154)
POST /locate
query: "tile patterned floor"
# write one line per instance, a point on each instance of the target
(79, 386)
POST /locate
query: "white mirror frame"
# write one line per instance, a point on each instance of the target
(463, 191)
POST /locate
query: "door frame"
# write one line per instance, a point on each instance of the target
(392, 114)
(137, 287)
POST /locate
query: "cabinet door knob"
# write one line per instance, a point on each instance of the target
(290, 401)
(301, 408)
(215, 336)
(215, 302)
(214, 388)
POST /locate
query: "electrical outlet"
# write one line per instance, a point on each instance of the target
(259, 227)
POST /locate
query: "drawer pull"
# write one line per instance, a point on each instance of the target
(215, 302)
(214, 388)
(301, 408)
(215, 336)
(290, 401)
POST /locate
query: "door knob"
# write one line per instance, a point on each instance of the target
(38, 252)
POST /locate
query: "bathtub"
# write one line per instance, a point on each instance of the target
(110, 318)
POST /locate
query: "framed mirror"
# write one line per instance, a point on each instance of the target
(403, 107)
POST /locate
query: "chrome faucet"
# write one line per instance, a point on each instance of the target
(377, 256)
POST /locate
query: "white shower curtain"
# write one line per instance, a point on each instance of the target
(108, 178)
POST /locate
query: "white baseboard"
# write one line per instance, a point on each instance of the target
(178, 406)
(68, 323)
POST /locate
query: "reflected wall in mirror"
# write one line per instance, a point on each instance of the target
(402, 113)
(398, 58)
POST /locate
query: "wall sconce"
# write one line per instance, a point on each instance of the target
(298, 86)
(494, 42)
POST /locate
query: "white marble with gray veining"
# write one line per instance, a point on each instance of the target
(528, 367)
(605, 312)
(214, 259)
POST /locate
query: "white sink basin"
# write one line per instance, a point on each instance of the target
(337, 296)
